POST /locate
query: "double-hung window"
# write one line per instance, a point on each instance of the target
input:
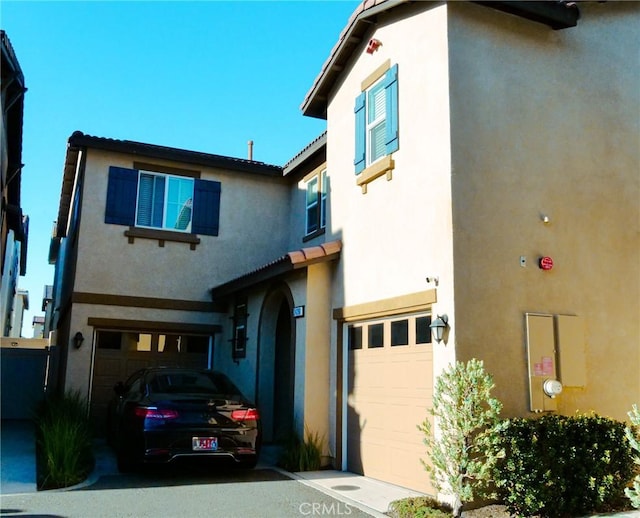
(316, 204)
(376, 118)
(164, 201)
(376, 122)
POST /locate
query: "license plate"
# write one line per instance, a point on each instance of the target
(204, 443)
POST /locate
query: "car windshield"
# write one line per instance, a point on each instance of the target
(191, 382)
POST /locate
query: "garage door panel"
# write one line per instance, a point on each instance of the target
(107, 366)
(406, 468)
(118, 355)
(389, 394)
(376, 456)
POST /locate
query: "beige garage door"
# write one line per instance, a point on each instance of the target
(390, 388)
(119, 354)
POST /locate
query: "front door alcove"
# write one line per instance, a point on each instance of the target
(276, 361)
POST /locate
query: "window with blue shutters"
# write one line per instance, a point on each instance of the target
(316, 205)
(376, 119)
(147, 199)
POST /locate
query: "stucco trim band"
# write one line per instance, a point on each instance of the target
(409, 303)
(104, 299)
(152, 325)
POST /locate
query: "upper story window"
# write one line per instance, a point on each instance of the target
(316, 204)
(376, 122)
(164, 201)
(161, 201)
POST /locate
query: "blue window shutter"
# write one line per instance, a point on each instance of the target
(121, 196)
(158, 202)
(391, 87)
(206, 207)
(361, 129)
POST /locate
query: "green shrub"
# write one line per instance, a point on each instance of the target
(461, 463)
(64, 441)
(562, 466)
(419, 507)
(302, 455)
(633, 435)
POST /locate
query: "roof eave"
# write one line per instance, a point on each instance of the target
(311, 156)
(555, 14)
(80, 140)
(315, 102)
(296, 260)
(66, 191)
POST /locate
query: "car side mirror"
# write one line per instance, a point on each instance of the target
(119, 388)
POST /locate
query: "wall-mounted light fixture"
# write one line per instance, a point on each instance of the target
(439, 327)
(434, 280)
(77, 340)
(373, 45)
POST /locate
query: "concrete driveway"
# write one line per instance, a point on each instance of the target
(266, 498)
(192, 491)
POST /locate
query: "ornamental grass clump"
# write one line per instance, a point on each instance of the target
(64, 441)
(302, 455)
(465, 415)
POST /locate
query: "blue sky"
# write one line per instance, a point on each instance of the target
(206, 76)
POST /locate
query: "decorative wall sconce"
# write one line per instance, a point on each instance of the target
(439, 327)
(77, 340)
(373, 45)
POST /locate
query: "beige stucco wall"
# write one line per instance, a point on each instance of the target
(399, 232)
(547, 123)
(252, 210)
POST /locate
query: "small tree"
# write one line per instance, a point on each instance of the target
(465, 414)
(634, 493)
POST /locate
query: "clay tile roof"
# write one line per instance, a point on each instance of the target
(79, 139)
(293, 260)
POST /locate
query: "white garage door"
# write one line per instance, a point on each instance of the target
(390, 388)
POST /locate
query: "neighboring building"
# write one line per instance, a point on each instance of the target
(37, 324)
(134, 267)
(47, 308)
(493, 178)
(13, 249)
(19, 306)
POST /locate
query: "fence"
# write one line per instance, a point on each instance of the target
(24, 374)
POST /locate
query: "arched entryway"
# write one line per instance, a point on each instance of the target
(276, 364)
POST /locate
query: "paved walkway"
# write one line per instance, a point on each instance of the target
(17, 457)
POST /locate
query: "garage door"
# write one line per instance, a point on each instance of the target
(390, 384)
(119, 354)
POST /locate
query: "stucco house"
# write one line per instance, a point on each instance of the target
(480, 171)
(14, 225)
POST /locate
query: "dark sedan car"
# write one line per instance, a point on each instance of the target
(161, 414)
